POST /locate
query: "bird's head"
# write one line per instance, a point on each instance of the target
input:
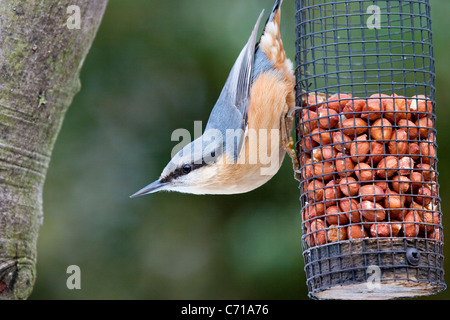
(191, 170)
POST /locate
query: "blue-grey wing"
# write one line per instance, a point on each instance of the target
(230, 111)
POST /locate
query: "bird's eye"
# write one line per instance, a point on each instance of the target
(187, 168)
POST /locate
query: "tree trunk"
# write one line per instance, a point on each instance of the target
(41, 54)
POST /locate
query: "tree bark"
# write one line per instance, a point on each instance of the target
(41, 55)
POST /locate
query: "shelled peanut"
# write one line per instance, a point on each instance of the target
(368, 168)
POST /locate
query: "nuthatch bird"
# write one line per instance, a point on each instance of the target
(255, 103)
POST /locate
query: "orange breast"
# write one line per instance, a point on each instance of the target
(271, 98)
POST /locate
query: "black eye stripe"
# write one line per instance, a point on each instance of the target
(181, 172)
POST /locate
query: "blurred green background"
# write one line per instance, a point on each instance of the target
(156, 66)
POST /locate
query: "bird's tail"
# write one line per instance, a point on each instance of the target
(270, 42)
(275, 13)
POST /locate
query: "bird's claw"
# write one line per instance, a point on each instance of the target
(288, 141)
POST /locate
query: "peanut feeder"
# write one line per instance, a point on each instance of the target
(366, 143)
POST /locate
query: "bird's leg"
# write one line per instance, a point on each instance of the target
(288, 142)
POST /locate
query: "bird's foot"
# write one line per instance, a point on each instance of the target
(288, 141)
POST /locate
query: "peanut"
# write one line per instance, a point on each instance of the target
(348, 204)
(350, 207)
(328, 118)
(428, 150)
(397, 214)
(337, 102)
(414, 150)
(324, 170)
(341, 141)
(353, 108)
(405, 165)
(387, 167)
(307, 144)
(318, 232)
(371, 192)
(410, 128)
(380, 230)
(308, 171)
(423, 196)
(377, 152)
(366, 224)
(334, 217)
(415, 206)
(309, 238)
(314, 211)
(354, 127)
(383, 185)
(399, 142)
(317, 155)
(431, 220)
(425, 126)
(396, 226)
(401, 184)
(394, 201)
(332, 193)
(356, 232)
(395, 108)
(420, 105)
(349, 186)
(381, 129)
(304, 157)
(374, 108)
(434, 189)
(336, 233)
(416, 180)
(364, 172)
(308, 121)
(343, 164)
(436, 234)
(315, 190)
(412, 224)
(373, 212)
(314, 101)
(425, 171)
(360, 149)
(321, 136)
(401, 102)
(328, 153)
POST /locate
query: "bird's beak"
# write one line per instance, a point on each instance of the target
(151, 188)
